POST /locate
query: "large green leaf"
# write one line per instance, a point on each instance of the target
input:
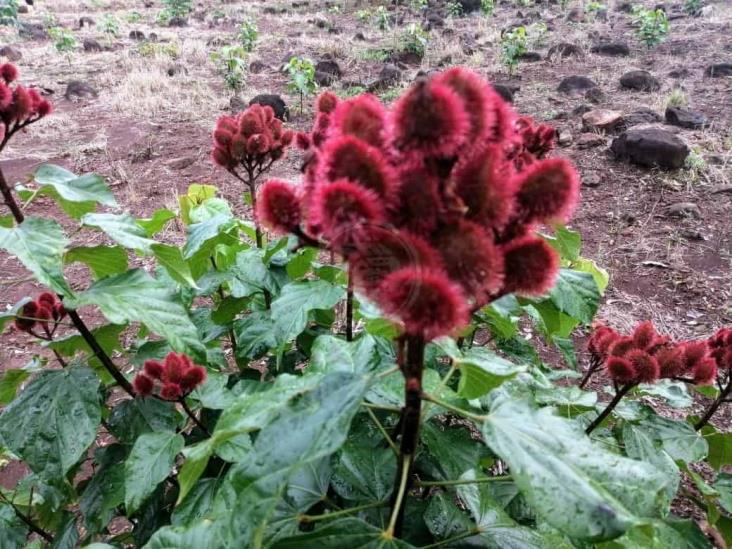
(291, 308)
(134, 417)
(576, 294)
(331, 354)
(105, 491)
(482, 371)
(639, 445)
(449, 451)
(102, 260)
(444, 519)
(53, 421)
(602, 494)
(197, 504)
(171, 258)
(135, 296)
(149, 463)
(11, 380)
(661, 535)
(197, 457)
(201, 235)
(39, 244)
(364, 473)
(121, 228)
(14, 531)
(67, 187)
(255, 335)
(155, 224)
(678, 438)
(720, 447)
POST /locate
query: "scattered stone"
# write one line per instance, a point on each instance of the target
(595, 95)
(80, 90)
(641, 116)
(433, 20)
(685, 118)
(564, 138)
(23, 8)
(152, 37)
(237, 104)
(718, 70)
(32, 31)
(679, 73)
(468, 44)
(216, 42)
(469, 6)
(684, 209)
(389, 75)
(640, 81)
(327, 71)
(603, 120)
(651, 147)
(506, 90)
(590, 140)
(181, 163)
(11, 54)
(576, 85)
(86, 21)
(359, 36)
(564, 49)
(591, 180)
(137, 35)
(613, 49)
(275, 101)
(92, 45)
(530, 56)
(625, 7)
(255, 67)
(177, 22)
(579, 110)
(176, 69)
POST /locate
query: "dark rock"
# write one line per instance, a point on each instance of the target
(275, 101)
(334, 30)
(641, 116)
(718, 70)
(329, 66)
(595, 95)
(177, 22)
(23, 9)
(433, 20)
(506, 90)
(86, 21)
(359, 36)
(445, 61)
(469, 6)
(530, 56)
(152, 37)
(137, 35)
(92, 45)
(255, 67)
(181, 163)
(591, 180)
(564, 49)
(679, 73)
(640, 81)
(614, 49)
(176, 69)
(389, 75)
(576, 85)
(651, 147)
(406, 58)
(684, 209)
(590, 140)
(625, 7)
(217, 42)
(79, 89)
(685, 118)
(32, 31)
(11, 54)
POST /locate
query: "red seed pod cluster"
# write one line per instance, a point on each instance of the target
(19, 106)
(720, 345)
(45, 311)
(176, 377)
(645, 356)
(254, 138)
(426, 200)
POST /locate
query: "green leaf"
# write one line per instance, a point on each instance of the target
(53, 421)
(197, 504)
(482, 371)
(196, 194)
(301, 263)
(105, 491)
(661, 535)
(639, 445)
(449, 451)
(122, 228)
(723, 485)
(720, 447)
(352, 533)
(255, 335)
(251, 275)
(135, 296)
(134, 417)
(102, 260)
(11, 380)
(675, 393)
(202, 235)
(67, 536)
(197, 457)
(569, 400)
(601, 276)
(364, 473)
(332, 354)
(576, 294)
(108, 338)
(151, 459)
(39, 244)
(70, 188)
(14, 531)
(548, 455)
(290, 310)
(567, 242)
(157, 222)
(678, 438)
(171, 258)
(444, 519)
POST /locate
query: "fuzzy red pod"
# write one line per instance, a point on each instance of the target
(416, 206)
(646, 367)
(44, 108)
(44, 314)
(596, 345)
(222, 158)
(59, 311)
(171, 391)
(276, 128)
(504, 119)
(471, 259)
(705, 371)
(645, 335)
(605, 341)
(250, 122)
(694, 352)
(22, 104)
(426, 302)
(430, 119)
(350, 158)
(670, 360)
(258, 145)
(193, 377)
(477, 98)
(27, 316)
(154, 369)
(483, 185)
(6, 97)
(326, 102)
(222, 137)
(547, 191)
(723, 338)
(287, 137)
(48, 299)
(302, 141)
(620, 369)
(8, 72)
(530, 265)
(536, 139)
(723, 358)
(363, 117)
(143, 385)
(174, 368)
(278, 207)
(621, 347)
(381, 251)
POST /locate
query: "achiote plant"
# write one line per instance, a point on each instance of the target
(434, 205)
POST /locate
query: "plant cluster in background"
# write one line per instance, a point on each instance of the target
(651, 26)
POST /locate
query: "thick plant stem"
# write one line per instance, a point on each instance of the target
(412, 367)
(193, 417)
(10, 199)
(594, 365)
(32, 526)
(349, 311)
(610, 407)
(721, 398)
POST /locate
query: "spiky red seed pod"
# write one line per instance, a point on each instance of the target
(705, 371)
(430, 119)
(620, 369)
(193, 377)
(694, 352)
(227, 124)
(593, 343)
(222, 137)
(646, 367)
(670, 360)
(29, 312)
(222, 158)
(48, 299)
(363, 117)
(44, 108)
(171, 391)
(483, 185)
(278, 207)
(173, 368)
(723, 358)
(622, 346)
(426, 302)
(258, 145)
(8, 72)
(326, 102)
(503, 116)
(547, 191)
(250, 123)
(471, 259)
(476, 96)
(6, 97)
(723, 338)
(606, 341)
(287, 137)
(22, 103)
(350, 158)
(645, 335)
(143, 385)
(417, 205)
(381, 251)
(44, 313)
(267, 113)
(338, 210)
(530, 265)
(154, 369)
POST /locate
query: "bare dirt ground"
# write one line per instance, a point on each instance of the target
(149, 132)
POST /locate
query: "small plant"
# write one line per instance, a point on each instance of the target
(651, 25)
(415, 39)
(676, 98)
(110, 25)
(487, 7)
(692, 7)
(454, 9)
(335, 9)
(231, 63)
(694, 166)
(248, 34)
(133, 17)
(152, 49)
(174, 9)
(364, 16)
(592, 8)
(63, 40)
(513, 46)
(419, 5)
(8, 12)
(383, 20)
(302, 78)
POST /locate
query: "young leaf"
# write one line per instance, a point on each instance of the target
(86, 188)
(363, 473)
(102, 260)
(157, 222)
(290, 310)
(172, 259)
(576, 294)
(11, 380)
(197, 457)
(678, 438)
(255, 335)
(481, 371)
(134, 417)
(121, 228)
